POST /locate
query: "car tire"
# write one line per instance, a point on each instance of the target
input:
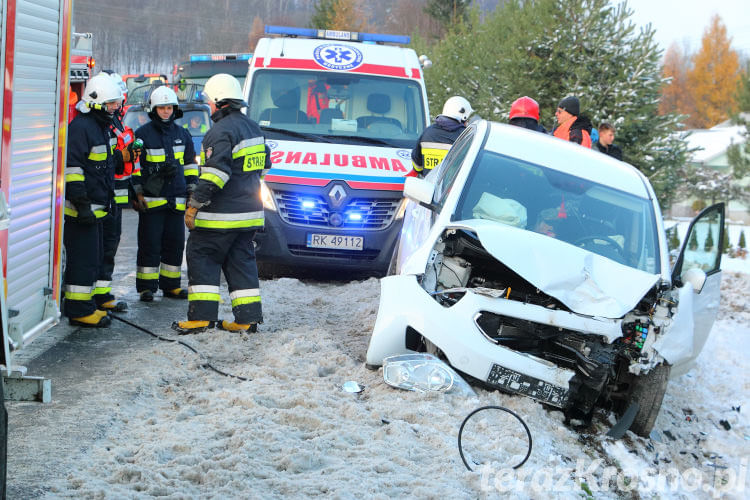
(648, 391)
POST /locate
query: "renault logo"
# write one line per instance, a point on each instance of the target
(337, 195)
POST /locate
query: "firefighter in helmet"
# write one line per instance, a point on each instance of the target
(224, 212)
(126, 161)
(168, 171)
(89, 184)
(437, 139)
(524, 112)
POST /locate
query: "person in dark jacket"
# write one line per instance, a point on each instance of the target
(524, 112)
(168, 171)
(224, 212)
(571, 126)
(89, 186)
(605, 143)
(437, 139)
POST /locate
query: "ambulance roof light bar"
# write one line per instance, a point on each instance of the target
(220, 57)
(350, 36)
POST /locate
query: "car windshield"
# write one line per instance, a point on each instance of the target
(338, 107)
(135, 118)
(598, 218)
(196, 121)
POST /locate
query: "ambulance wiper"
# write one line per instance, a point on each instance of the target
(359, 140)
(299, 135)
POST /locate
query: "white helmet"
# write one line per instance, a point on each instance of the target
(100, 90)
(457, 108)
(120, 83)
(162, 96)
(222, 86)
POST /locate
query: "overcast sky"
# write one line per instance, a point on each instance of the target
(680, 20)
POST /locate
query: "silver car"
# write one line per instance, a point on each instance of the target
(541, 268)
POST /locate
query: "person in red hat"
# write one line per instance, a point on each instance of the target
(524, 112)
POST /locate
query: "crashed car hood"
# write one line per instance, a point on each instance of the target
(585, 282)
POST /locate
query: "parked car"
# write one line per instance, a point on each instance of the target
(541, 268)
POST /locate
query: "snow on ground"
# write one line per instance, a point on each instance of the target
(291, 431)
(167, 427)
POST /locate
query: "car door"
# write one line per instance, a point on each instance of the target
(701, 249)
(418, 220)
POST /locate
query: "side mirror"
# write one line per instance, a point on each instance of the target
(696, 277)
(419, 190)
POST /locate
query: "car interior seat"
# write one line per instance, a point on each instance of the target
(329, 114)
(378, 105)
(287, 109)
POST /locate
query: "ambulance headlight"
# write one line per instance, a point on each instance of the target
(266, 196)
(423, 373)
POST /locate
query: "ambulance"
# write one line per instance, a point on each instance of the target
(34, 69)
(341, 112)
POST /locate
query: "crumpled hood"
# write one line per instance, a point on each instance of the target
(585, 282)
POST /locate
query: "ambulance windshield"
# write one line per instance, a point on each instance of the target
(334, 107)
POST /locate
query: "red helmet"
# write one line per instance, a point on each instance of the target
(524, 107)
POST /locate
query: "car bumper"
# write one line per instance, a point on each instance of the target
(403, 304)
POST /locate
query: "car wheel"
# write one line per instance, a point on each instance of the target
(648, 391)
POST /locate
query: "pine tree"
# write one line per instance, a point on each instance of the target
(714, 78)
(693, 242)
(738, 155)
(742, 244)
(726, 246)
(674, 239)
(548, 49)
(448, 12)
(708, 245)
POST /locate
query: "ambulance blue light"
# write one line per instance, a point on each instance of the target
(351, 36)
(355, 216)
(308, 204)
(200, 57)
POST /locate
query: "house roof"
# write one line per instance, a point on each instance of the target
(714, 141)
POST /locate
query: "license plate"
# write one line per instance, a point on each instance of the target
(334, 241)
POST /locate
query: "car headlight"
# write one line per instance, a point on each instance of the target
(423, 373)
(266, 196)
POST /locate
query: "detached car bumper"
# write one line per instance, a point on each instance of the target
(404, 304)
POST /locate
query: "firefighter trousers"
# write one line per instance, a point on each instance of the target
(208, 253)
(111, 231)
(161, 240)
(83, 251)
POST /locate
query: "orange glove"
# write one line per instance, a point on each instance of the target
(190, 214)
(126, 156)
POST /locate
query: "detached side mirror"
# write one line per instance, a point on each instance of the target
(696, 277)
(420, 191)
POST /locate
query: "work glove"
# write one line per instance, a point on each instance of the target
(85, 215)
(154, 184)
(139, 203)
(190, 214)
(127, 154)
(168, 171)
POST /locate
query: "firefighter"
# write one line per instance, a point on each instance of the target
(89, 184)
(167, 171)
(223, 214)
(437, 139)
(126, 161)
(524, 112)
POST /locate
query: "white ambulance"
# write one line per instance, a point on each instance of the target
(341, 112)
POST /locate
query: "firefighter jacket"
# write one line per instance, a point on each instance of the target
(434, 143)
(234, 157)
(90, 167)
(123, 169)
(167, 164)
(576, 129)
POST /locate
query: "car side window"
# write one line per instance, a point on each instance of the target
(451, 165)
(703, 248)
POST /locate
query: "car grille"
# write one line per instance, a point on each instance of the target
(376, 213)
(351, 255)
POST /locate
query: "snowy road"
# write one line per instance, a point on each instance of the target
(135, 417)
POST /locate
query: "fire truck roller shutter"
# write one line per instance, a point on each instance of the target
(33, 165)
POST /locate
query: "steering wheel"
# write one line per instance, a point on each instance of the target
(580, 242)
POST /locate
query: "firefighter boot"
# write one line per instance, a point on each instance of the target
(177, 293)
(147, 296)
(190, 327)
(238, 327)
(114, 305)
(94, 320)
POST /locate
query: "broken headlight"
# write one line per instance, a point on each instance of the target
(423, 373)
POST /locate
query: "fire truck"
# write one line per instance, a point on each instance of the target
(35, 72)
(81, 68)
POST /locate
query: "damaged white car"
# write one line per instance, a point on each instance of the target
(540, 267)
